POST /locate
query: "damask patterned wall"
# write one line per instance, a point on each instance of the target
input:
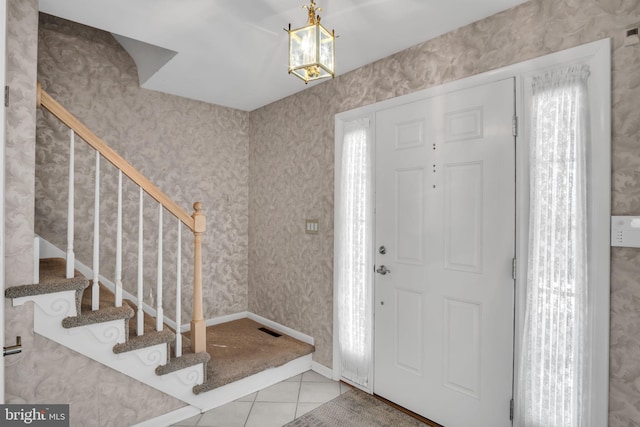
(292, 152)
(291, 158)
(46, 372)
(191, 150)
(22, 42)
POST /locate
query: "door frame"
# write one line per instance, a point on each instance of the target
(3, 79)
(598, 56)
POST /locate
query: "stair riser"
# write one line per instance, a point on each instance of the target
(57, 305)
(96, 341)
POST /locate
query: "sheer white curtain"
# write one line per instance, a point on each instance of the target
(553, 379)
(353, 255)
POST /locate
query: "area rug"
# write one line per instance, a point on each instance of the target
(355, 408)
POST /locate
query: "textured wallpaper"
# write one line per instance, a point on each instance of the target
(98, 396)
(291, 166)
(191, 150)
(46, 372)
(22, 42)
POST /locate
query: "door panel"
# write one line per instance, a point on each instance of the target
(409, 211)
(445, 210)
(463, 217)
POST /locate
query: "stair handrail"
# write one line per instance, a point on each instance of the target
(45, 100)
(195, 222)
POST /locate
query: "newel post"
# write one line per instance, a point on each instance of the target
(198, 327)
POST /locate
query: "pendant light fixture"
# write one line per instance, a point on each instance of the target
(311, 48)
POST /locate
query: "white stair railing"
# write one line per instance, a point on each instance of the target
(196, 223)
(178, 292)
(159, 311)
(119, 244)
(140, 318)
(95, 287)
(71, 259)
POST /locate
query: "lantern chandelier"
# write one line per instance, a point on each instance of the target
(311, 48)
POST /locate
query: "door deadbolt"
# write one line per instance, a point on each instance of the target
(382, 250)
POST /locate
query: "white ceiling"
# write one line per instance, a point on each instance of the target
(234, 52)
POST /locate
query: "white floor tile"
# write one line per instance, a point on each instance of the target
(312, 376)
(271, 414)
(320, 392)
(285, 391)
(232, 414)
(248, 398)
(296, 378)
(189, 421)
(273, 406)
(303, 408)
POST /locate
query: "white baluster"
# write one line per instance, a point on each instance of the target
(159, 313)
(140, 322)
(71, 259)
(95, 288)
(119, 244)
(178, 293)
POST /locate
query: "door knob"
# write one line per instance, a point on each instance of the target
(383, 270)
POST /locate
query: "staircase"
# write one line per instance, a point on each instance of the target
(89, 313)
(62, 313)
(129, 336)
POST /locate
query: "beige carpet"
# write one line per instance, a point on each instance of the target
(239, 349)
(355, 408)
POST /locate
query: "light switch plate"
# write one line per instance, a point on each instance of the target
(312, 226)
(625, 231)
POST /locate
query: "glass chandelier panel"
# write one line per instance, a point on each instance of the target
(311, 49)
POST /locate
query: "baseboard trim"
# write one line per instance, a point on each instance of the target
(170, 417)
(256, 318)
(226, 318)
(218, 320)
(322, 370)
(49, 250)
(233, 391)
(281, 328)
(230, 392)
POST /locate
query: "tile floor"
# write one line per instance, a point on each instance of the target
(273, 406)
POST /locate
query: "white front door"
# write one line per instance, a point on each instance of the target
(445, 232)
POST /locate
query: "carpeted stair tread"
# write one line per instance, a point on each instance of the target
(235, 350)
(54, 270)
(52, 279)
(147, 340)
(99, 316)
(107, 298)
(184, 361)
(239, 349)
